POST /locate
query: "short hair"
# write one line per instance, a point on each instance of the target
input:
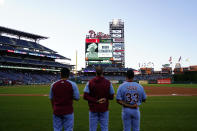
(130, 74)
(65, 72)
(99, 71)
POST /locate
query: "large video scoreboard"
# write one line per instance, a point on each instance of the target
(98, 50)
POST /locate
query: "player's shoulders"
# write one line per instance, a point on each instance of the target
(139, 87)
(136, 84)
(91, 81)
(54, 83)
(100, 78)
(71, 82)
(125, 83)
(106, 80)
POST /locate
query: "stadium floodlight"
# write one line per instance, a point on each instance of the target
(115, 22)
(1, 2)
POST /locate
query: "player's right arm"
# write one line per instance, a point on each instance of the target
(111, 92)
(123, 103)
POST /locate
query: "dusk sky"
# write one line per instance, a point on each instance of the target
(155, 30)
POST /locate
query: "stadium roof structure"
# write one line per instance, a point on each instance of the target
(20, 33)
(29, 36)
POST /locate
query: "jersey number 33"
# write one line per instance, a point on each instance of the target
(132, 97)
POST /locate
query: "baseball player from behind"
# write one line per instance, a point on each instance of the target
(98, 92)
(62, 94)
(130, 95)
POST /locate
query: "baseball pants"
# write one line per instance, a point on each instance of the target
(131, 119)
(66, 121)
(101, 117)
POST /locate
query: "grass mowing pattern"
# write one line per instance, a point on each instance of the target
(44, 89)
(34, 113)
(174, 113)
(22, 113)
(26, 89)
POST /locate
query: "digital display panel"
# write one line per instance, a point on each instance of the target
(118, 40)
(91, 51)
(92, 40)
(116, 35)
(99, 62)
(117, 59)
(116, 31)
(106, 41)
(118, 44)
(98, 51)
(105, 50)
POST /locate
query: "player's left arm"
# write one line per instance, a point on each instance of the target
(76, 94)
(111, 92)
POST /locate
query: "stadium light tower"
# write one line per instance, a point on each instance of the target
(116, 30)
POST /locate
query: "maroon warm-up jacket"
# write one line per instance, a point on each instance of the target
(63, 97)
(99, 87)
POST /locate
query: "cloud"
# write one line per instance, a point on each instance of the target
(1, 2)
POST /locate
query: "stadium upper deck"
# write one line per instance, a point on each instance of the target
(10, 43)
(23, 59)
(17, 52)
(20, 33)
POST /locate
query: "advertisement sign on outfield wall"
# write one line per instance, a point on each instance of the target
(143, 82)
(164, 81)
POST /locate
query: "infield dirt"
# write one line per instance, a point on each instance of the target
(169, 91)
(150, 91)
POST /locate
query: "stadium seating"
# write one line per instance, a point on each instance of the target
(152, 77)
(6, 47)
(28, 77)
(87, 78)
(23, 43)
(12, 59)
(22, 59)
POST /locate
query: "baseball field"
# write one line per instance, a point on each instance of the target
(168, 108)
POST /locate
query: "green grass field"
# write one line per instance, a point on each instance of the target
(34, 113)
